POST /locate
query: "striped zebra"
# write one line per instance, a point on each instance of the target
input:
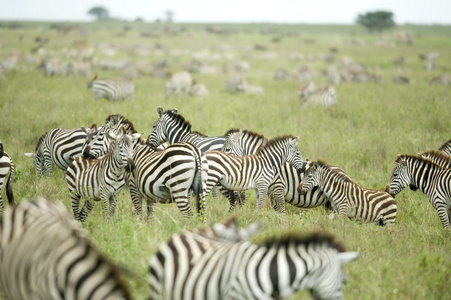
(325, 96)
(347, 197)
(429, 177)
(439, 157)
(59, 147)
(173, 127)
(180, 84)
(6, 165)
(255, 171)
(102, 178)
(46, 254)
(112, 89)
(167, 175)
(192, 265)
(446, 147)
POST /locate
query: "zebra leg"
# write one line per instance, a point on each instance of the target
(2, 206)
(184, 206)
(214, 192)
(149, 209)
(84, 212)
(112, 204)
(75, 205)
(279, 198)
(241, 198)
(443, 214)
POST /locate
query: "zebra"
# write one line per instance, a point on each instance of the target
(437, 156)
(103, 178)
(347, 197)
(194, 266)
(46, 254)
(59, 147)
(180, 84)
(429, 177)
(158, 175)
(199, 90)
(446, 147)
(326, 96)
(6, 165)
(255, 171)
(284, 187)
(112, 89)
(173, 127)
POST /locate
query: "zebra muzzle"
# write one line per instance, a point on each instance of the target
(87, 154)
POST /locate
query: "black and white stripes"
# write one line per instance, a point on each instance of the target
(6, 166)
(112, 89)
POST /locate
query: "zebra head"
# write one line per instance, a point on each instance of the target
(311, 178)
(399, 178)
(233, 145)
(294, 156)
(41, 165)
(159, 129)
(121, 147)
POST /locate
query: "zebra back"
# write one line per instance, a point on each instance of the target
(438, 157)
(180, 84)
(49, 255)
(446, 147)
(6, 165)
(171, 126)
(192, 265)
(112, 89)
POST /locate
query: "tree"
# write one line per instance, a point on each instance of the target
(101, 13)
(377, 20)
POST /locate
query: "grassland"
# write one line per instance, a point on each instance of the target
(371, 124)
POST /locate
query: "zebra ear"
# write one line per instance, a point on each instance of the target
(174, 111)
(30, 155)
(160, 111)
(346, 257)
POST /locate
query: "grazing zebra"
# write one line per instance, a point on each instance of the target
(173, 127)
(255, 171)
(326, 96)
(6, 165)
(429, 177)
(180, 84)
(348, 198)
(192, 265)
(158, 175)
(284, 187)
(112, 89)
(46, 254)
(59, 147)
(446, 147)
(103, 178)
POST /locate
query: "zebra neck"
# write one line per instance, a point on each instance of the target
(332, 186)
(177, 134)
(271, 158)
(422, 175)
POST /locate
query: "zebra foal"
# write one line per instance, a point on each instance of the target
(6, 165)
(112, 89)
(195, 265)
(47, 255)
(347, 197)
(255, 171)
(100, 179)
(429, 177)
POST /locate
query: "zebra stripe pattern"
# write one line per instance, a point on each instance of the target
(112, 89)
(59, 147)
(6, 165)
(173, 127)
(347, 197)
(326, 96)
(195, 266)
(158, 175)
(439, 157)
(100, 179)
(255, 171)
(429, 177)
(446, 147)
(180, 84)
(46, 254)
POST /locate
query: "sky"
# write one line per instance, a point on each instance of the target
(230, 11)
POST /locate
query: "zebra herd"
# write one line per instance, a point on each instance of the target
(219, 261)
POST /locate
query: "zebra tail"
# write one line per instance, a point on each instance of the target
(198, 189)
(9, 185)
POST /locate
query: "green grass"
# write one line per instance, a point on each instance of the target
(363, 134)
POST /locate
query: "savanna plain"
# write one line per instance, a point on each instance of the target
(362, 134)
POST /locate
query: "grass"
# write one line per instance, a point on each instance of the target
(363, 134)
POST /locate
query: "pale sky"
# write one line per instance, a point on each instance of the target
(236, 11)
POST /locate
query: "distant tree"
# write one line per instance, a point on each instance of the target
(377, 20)
(101, 13)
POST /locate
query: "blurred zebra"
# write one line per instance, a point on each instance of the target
(307, 89)
(180, 84)
(348, 198)
(112, 89)
(173, 127)
(446, 147)
(284, 187)
(444, 79)
(429, 177)
(103, 178)
(228, 230)
(326, 96)
(48, 255)
(167, 175)
(194, 266)
(59, 147)
(199, 90)
(255, 171)
(6, 165)
(236, 84)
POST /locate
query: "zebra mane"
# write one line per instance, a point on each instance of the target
(178, 118)
(40, 141)
(340, 175)
(314, 239)
(199, 133)
(416, 158)
(438, 154)
(275, 141)
(248, 132)
(117, 119)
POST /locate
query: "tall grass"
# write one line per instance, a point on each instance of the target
(362, 134)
